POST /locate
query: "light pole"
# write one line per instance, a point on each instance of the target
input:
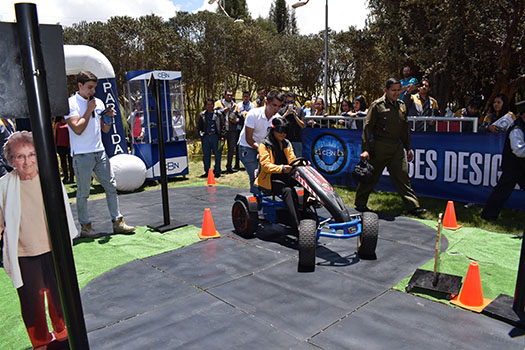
(302, 3)
(235, 20)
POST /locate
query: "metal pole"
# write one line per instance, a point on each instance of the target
(224, 52)
(519, 295)
(326, 57)
(162, 153)
(40, 115)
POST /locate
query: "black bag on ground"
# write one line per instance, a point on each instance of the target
(363, 172)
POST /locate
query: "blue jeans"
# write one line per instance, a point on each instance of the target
(84, 165)
(248, 157)
(297, 148)
(210, 143)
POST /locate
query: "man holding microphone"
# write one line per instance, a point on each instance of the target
(87, 118)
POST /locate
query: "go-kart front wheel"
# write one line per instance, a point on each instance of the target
(367, 241)
(307, 244)
(244, 222)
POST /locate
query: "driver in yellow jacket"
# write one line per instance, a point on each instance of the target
(275, 155)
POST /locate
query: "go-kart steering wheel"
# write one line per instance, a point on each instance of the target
(299, 161)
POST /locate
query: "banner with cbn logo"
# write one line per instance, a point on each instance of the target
(452, 166)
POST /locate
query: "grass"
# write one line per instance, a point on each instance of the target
(510, 220)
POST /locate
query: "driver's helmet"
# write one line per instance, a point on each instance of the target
(279, 124)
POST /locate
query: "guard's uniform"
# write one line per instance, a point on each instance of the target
(385, 134)
(513, 170)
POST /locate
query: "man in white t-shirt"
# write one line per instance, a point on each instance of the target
(258, 122)
(85, 124)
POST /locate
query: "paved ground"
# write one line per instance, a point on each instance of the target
(232, 293)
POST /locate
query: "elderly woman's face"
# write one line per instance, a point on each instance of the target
(24, 160)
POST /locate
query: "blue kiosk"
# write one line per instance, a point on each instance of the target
(142, 120)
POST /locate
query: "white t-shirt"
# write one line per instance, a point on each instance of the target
(90, 140)
(256, 119)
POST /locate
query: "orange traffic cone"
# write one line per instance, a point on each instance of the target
(471, 295)
(208, 227)
(449, 222)
(211, 177)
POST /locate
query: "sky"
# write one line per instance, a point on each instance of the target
(310, 18)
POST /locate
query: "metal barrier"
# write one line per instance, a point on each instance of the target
(442, 124)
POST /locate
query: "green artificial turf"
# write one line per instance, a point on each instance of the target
(497, 255)
(92, 258)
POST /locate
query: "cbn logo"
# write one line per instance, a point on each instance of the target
(162, 75)
(329, 153)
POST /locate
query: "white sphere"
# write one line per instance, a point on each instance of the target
(129, 171)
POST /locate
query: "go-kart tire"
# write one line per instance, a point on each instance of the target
(367, 241)
(244, 222)
(307, 244)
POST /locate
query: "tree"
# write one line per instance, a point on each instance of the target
(465, 47)
(281, 17)
(237, 9)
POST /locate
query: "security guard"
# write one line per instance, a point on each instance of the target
(512, 166)
(386, 133)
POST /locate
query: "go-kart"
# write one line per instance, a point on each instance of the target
(313, 191)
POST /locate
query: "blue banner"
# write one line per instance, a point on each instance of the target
(115, 140)
(453, 166)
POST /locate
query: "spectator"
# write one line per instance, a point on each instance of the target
(359, 110)
(499, 118)
(242, 110)
(407, 82)
(261, 98)
(512, 166)
(27, 251)
(318, 109)
(345, 112)
(258, 122)
(85, 126)
(386, 136)
(307, 108)
(227, 107)
(212, 131)
(421, 105)
(295, 119)
(275, 155)
(64, 149)
(471, 111)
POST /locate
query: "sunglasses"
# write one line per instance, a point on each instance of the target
(289, 101)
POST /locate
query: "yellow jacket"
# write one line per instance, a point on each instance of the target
(268, 166)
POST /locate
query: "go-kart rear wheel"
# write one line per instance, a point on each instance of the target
(244, 222)
(367, 241)
(307, 244)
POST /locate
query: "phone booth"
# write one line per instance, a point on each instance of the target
(143, 121)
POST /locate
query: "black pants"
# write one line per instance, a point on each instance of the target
(38, 275)
(508, 180)
(233, 149)
(289, 197)
(66, 163)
